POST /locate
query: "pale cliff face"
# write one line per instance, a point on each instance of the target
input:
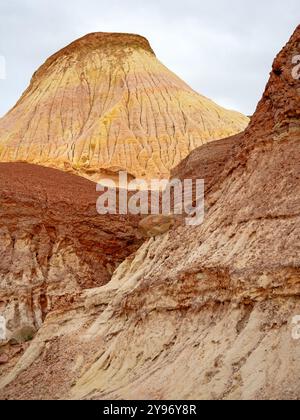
(105, 103)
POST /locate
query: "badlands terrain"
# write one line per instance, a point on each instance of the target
(95, 310)
(106, 103)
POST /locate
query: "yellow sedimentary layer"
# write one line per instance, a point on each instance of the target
(105, 103)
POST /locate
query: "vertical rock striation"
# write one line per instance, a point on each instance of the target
(105, 103)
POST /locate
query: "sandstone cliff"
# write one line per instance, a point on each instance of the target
(105, 103)
(198, 312)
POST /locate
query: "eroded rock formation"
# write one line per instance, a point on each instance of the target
(198, 312)
(53, 244)
(105, 103)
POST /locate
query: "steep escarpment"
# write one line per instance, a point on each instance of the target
(198, 312)
(53, 243)
(105, 103)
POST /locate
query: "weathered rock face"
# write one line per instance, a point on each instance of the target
(199, 312)
(53, 244)
(105, 103)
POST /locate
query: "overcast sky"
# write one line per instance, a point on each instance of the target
(222, 49)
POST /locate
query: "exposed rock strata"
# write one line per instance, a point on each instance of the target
(53, 244)
(199, 312)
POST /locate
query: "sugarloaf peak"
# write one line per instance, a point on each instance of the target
(105, 103)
